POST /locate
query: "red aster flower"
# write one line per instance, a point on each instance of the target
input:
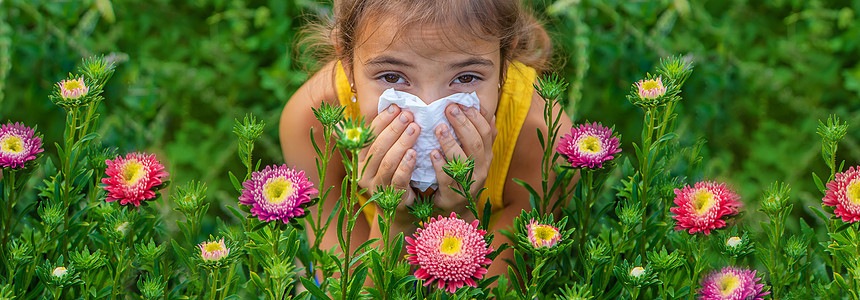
(732, 284)
(132, 179)
(18, 144)
(449, 251)
(702, 207)
(844, 194)
(277, 193)
(589, 145)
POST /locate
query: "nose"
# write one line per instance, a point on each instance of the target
(431, 95)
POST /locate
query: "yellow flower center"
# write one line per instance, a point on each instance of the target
(132, 172)
(450, 245)
(650, 85)
(213, 246)
(12, 144)
(278, 190)
(854, 192)
(72, 85)
(545, 233)
(703, 201)
(728, 284)
(353, 134)
(590, 144)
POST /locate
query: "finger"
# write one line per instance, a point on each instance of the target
(450, 148)
(392, 158)
(443, 180)
(379, 123)
(385, 141)
(479, 121)
(403, 174)
(471, 140)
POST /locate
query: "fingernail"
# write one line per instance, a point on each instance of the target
(470, 112)
(410, 130)
(443, 130)
(410, 154)
(456, 111)
(391, 109)
(403, 118)
(436, 155)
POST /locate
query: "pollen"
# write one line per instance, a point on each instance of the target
(12, 144)
(278, 190)
(450, 245)
(590, 144)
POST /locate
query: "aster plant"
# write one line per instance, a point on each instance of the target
(538, 240)
(20, 147)
(657, 95)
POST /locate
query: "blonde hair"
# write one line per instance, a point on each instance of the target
(521, 37)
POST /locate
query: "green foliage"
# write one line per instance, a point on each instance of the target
(766, 73)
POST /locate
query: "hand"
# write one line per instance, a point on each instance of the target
(390, 159)
(477, 136)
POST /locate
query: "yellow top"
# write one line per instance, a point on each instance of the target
(512, 109)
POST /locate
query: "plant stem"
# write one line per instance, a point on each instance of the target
(213, 289)
(353, 196)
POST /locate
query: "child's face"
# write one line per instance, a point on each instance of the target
(424, 61)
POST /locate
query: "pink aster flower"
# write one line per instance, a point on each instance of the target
(213, 251)
(132, 179)
(541, 235)
(449, 251)
(589, 145)
(732, 284)
(651, 88)
(277, 193)
(18, 144)
(844, 194)
(702, 207)
(72, 89)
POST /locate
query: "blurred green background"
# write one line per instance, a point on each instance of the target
(766, 72)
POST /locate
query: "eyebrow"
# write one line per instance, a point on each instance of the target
(388, 60)
(471, 62)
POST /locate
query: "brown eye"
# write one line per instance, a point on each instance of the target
(465, 79)
(391, 78)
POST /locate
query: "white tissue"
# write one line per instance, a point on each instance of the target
(428, 117)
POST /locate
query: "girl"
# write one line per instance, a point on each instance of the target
(431, 49)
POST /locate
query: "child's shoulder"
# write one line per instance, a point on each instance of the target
(297, 117)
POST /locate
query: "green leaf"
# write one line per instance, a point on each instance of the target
(257, 281)
(843, 227)
(314, 289)
(85, 139)
(357, 281)
(236, 184)
(819, 184)
(840, 281)
(540, 138)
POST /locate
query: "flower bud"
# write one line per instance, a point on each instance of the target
(388, 198)
(353, 134)
(328, 115)
(59, 272)
(151, 287)
(551, 87)
(796, 247)
(85, 260)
